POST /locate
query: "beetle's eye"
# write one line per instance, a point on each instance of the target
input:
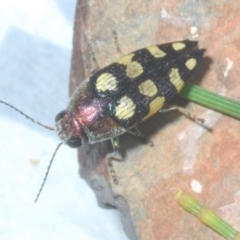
(74, 142)
(60, 115)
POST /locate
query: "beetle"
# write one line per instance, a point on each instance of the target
(118, 97)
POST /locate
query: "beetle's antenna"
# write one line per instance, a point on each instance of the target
(48, 169)
(25, 115)
(42, 125)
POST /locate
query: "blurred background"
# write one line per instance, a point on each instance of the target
(35, 50)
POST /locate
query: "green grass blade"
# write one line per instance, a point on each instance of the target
(206, 216)
(211, 100)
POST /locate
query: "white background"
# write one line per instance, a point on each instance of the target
(35, 53)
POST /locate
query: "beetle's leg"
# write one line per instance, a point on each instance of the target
(114, 156)
(93, 58)
(137, 133)
(184, 112)
(115, 38)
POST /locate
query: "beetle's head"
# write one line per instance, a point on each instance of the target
(69, 129)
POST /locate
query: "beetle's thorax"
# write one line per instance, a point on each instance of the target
(89, 113)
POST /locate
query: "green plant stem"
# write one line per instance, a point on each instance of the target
(211, 100)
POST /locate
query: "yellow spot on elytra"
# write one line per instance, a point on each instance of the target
(125, 60)
(106, 81)
(175, 79)
(191, 63)
(178, 46)
(156, 52)
(125, 109)
(154, 106)
(148, 88)
(134, 69)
